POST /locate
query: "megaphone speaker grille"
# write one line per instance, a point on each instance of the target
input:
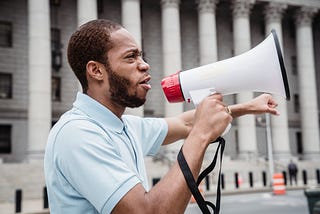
(172, 89)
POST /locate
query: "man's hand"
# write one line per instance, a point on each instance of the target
(211, 118)
(264, 103)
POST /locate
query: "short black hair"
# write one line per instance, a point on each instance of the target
(90, 42)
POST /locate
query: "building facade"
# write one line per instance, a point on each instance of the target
(37, 84)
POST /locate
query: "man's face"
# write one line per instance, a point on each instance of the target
(127, 72)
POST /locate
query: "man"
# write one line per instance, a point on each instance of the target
(94, 156)
(293, 170)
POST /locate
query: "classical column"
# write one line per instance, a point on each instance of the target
(39, 66)
(242, 42)
(132, 22)
(207, 31)
(87, 10)
(279, 124)
(307, 83)
(171, 47)
(208, 51)
(131, 18)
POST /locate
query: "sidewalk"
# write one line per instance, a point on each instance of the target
(28, 206)
(35, 206)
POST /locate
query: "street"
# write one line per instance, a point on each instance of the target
(293, 202)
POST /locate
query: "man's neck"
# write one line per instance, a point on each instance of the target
(108, 103)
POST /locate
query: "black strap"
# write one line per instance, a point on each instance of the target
(193, 186)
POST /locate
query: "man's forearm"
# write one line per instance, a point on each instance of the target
(171, 194)
(259, 105)
(179, 127)
(173, 185)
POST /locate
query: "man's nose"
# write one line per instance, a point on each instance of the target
(143, 65)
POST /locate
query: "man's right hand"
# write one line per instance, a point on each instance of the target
(211, 118)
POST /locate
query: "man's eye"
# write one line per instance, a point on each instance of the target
(134, 55)
(131, 56)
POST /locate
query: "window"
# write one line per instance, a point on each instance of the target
(56, 88)
(237, 141)
(296, 100)
(294, 65)
(55, 3)
(5, 34)
(5, 86)
(55, 38)
(5, 139)
(100, 6)
(292, 29)
(56, 55)
(299, 143)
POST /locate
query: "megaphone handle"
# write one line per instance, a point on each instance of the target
(226, 130)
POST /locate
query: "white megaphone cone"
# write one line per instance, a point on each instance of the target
(260, 69)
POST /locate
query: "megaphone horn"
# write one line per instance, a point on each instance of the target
(260, 69)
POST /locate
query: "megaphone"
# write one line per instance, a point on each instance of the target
(260, 69)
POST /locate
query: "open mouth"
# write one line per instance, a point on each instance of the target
(145, 83)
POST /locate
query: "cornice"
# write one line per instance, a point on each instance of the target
(273, 11)
(206, 6)
(295, 3)
(170, 3)
(241, 8)
(304, 15)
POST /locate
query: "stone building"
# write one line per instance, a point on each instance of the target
(37, 84)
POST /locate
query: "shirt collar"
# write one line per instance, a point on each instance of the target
(98, 112)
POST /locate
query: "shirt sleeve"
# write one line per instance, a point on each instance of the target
(92, 165)
(151, 132)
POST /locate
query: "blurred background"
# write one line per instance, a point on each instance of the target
(37, 84)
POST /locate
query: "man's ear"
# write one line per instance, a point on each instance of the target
(95, 70)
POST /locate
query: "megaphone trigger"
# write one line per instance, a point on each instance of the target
(198, 95)
(212, 91)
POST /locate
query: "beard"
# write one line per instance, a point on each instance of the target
(119, 90)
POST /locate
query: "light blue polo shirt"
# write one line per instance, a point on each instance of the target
(93, 158)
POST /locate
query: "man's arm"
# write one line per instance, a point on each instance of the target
(179, 127)
(199, 127)
(259, 105)
(171, 194)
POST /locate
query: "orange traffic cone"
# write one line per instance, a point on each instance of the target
(240, 180)
(278, 184)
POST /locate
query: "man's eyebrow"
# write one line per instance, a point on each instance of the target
(134, 50)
